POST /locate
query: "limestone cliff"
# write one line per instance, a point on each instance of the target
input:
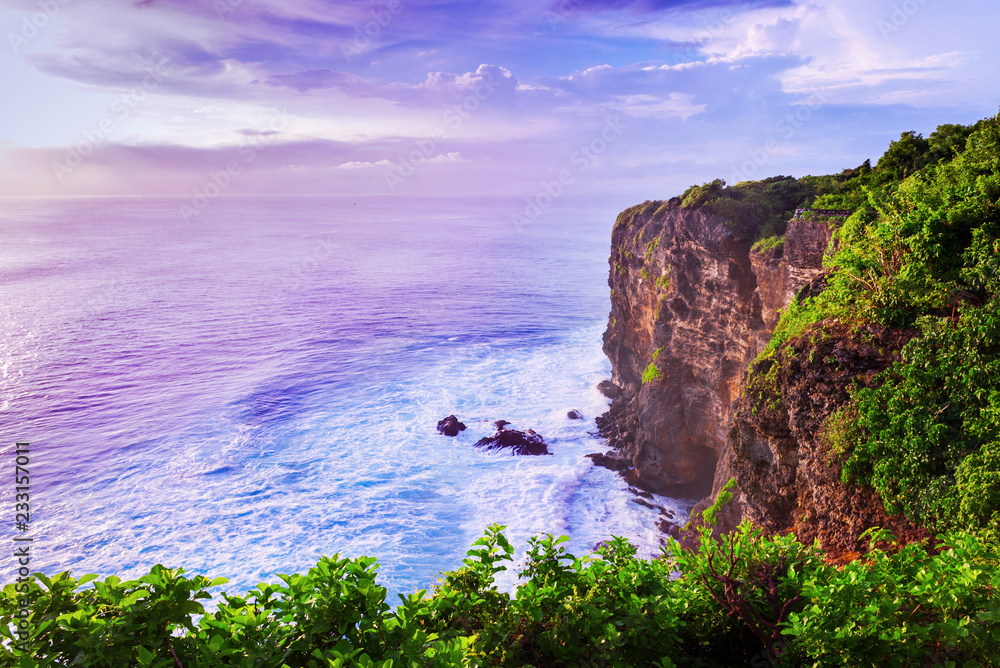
(682, 291)
(692, 305)
(787, 475)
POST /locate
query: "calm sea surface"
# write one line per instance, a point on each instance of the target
(244, 391)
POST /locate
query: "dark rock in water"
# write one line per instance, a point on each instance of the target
(574, 415)
(500, 424)
(639, 492)
(643, 502)
(609, 460)
(525, 442)
(450, 426)
(609, 389)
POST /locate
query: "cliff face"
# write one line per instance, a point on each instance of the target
(779, 453)
(682, 284)
(692, 306)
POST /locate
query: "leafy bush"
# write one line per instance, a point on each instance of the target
(929, 439)
(747, 600)
(753, 209)
(768, 243)
(334, 615)
(907, 608)
(725, 496)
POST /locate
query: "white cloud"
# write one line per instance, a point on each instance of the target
(447, 157)
(355, 164)
(437, 159)
(860, 51)
(676, 105)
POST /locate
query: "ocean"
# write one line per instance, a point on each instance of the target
(246, 389)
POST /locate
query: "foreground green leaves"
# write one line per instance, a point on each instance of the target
(745, 601)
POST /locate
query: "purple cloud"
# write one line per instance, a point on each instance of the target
(308, 80)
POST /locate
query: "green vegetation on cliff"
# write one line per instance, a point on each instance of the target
(652, 372)
(754, 209)
(922, 252)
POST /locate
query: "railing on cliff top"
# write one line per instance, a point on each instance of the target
(835, 213)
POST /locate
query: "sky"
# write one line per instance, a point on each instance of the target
(629, 99)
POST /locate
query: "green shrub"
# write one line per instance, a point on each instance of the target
(725, 496)
(651, 248)
(651, 373)
(768, 243)
(745, 600)
(753, 209)
(930, 433)
(907, 608)
(923, 253)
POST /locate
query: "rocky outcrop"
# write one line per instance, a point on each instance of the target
(609, 389)
(786, 267)
(780, 451)
(526, 442)
(683, 292)
(691, 306)
(450, 426)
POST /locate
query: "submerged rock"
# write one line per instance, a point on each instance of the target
(574, 415)
(609, 460)
(525, 442)
(450, 426)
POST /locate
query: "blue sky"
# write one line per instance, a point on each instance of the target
(632, 100)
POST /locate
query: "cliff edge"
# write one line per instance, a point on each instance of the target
(693, 304)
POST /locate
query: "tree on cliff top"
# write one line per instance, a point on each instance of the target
(753, 209)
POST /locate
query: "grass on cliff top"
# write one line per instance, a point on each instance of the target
(768, 243)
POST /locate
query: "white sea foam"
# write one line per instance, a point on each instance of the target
(232, 417)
